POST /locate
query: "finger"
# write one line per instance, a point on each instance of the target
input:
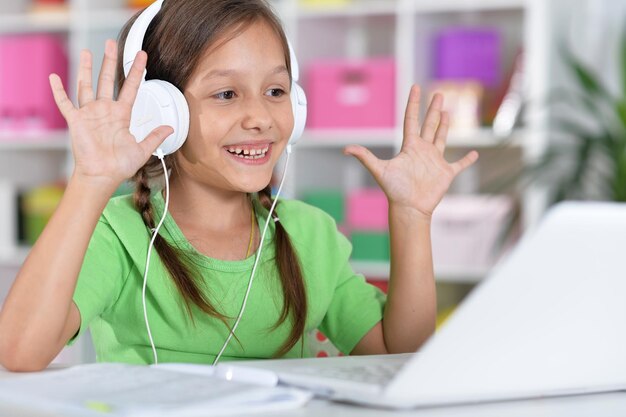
(431, 121)
(441, 135)
(367, 158)
(106, 80)
(65, 105)
(132, 82)
(464, 162)
(150, 144)
(84, 85)
(411, 115)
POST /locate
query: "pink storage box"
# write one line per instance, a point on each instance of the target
(367, 209)
(465, 230)
(351, 94)
(26, 101)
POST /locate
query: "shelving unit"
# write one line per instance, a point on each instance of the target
(401, 29)
(361, 28)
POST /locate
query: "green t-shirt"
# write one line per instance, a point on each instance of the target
(109, 290)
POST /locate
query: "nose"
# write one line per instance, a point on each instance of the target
(257, 115)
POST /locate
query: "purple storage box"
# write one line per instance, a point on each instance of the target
(463, 53)
(26, 101)
(351, 94)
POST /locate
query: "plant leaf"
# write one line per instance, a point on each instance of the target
(576, 132)
(586, 78)
(622, 68)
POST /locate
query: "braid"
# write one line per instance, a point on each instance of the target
(176, 261)
(142, 197)
(294, 292)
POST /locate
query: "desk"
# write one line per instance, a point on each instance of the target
(596, 405)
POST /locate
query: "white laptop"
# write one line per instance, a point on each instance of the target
(549, 320)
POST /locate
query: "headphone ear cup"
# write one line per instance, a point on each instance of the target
(160, 103)
(299, 108)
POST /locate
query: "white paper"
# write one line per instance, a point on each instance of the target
(136, 391)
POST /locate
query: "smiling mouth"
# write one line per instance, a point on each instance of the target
(248, 153)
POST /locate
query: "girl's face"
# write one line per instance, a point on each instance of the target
(240, 112)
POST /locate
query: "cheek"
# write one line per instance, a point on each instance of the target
(206, 127)
(285, 121)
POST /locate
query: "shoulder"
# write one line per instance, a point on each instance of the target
(121, 228)
(306, 223)
(122, 218)
(297, 214)
(120, 211)
(120, 205)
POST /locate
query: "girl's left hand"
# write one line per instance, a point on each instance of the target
(419, 176)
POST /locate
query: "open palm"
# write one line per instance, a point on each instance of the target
(419, 176)
(102, 144)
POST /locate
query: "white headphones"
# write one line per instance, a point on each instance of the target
(160, 103)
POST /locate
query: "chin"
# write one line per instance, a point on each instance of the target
(256, 185)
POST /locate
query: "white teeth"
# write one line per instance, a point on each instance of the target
(248, 153)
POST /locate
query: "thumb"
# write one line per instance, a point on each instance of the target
(365, 156)
(150, 144)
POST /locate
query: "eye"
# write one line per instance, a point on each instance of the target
(225, 95)
(275, 92)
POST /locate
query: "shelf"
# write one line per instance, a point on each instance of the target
(443, 6)
(63, 21)
(372, 269)
(340, 138)
(359, 8)
(105, 19)
(14, 257)
(481, 138)
(380, 270)
(58, 21)
(356, 8)
(35, 141)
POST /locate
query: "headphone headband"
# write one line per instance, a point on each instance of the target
(163, 104)
(136, 34)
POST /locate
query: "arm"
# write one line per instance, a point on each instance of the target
(414, 183)
(38, 316)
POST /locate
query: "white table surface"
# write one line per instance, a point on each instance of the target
(595, 405)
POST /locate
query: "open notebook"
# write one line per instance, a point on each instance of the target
(549, 320)
(120, 390)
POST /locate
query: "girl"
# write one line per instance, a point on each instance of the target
(231, 60)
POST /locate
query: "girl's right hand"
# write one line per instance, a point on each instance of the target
(105, 151)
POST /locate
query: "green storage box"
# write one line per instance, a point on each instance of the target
(370, 246)
(331, 201)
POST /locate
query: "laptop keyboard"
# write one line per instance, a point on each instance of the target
(370, 374)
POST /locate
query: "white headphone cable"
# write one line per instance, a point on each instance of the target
(155, 231)
(256, 260)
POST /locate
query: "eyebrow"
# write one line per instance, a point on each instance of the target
(227, 73)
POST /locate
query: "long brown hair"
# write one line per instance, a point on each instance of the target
(174, 42)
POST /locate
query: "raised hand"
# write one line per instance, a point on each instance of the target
(419, 176)
(103, 147)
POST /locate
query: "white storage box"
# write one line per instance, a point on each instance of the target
(466, 231)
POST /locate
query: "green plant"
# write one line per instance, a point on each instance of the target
(586, 155)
